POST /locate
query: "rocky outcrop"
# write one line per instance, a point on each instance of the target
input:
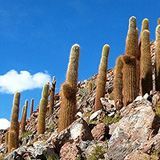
(133, 130)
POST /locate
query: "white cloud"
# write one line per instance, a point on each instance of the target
(13, 81)
(4, 123)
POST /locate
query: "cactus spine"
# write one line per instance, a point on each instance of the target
(52, 92)
(89, 87)
(24, 115)
(68, 91)
(32, 104)
(129, 79)
(101, 79)
(13, 136)
(42, 110)
(118, 83)
(145, 64)
(157, 57)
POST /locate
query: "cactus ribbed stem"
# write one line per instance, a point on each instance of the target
(13, 140)
(24, 115)
(101, 79)
(32, 104)
(129, 79)
(118, 83)
(52, 92)
(42, 110)
(145, 65)
(157, 57)
(68, 91)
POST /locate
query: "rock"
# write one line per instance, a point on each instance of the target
(95, 114)
(155, 97)
(132, 131)
(111, 114)
(70, 151)
(78, 131)
(137, 155)
(146, 96)
(79, 115)
(84, 145)
(139, 98)
(100, 132)
(106, 105)
(96, 150)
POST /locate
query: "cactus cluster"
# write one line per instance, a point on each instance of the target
(133, 74)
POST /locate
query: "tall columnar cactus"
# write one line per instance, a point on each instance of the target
(144, 26)
(101, 79)
(24, 115)
(89, 87)
(6, 138)
(145, 64)
(68, 91)
(132, 38)
(129, 79)
(13, 136)
(52, 92)
(157, 57)
(42, 110)
(158, 21)
(118, 83)
(32, 104)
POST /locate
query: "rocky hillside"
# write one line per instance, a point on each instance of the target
(131, 133)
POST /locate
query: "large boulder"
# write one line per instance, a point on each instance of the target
(133, 130)
(78, 131)
(100, 132)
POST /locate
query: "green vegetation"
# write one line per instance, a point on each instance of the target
(157, 108)
(25, 134)
(97, 153)
(114, 119)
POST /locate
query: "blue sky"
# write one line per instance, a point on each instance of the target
(36, 36)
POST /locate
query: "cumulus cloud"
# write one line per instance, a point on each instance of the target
(13, 81)
(4, 123)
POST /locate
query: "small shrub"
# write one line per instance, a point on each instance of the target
(25, 134)
(97, 153)
(114, 119)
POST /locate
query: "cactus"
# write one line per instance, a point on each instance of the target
(24, 115)
(157, 57)
(129, 79)
(52, 91)
(6, 138)
(13, 139)
(89, 87)
(68, 91)
(101, 79)
(42, 110)
(145, 64)
(144, 26)
(118, 83)
(158, 21)
(32, 104)
(132, 38)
